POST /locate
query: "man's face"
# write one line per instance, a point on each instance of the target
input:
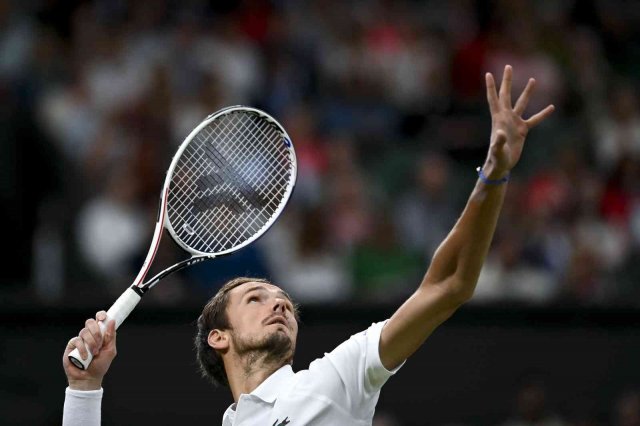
(262, 319)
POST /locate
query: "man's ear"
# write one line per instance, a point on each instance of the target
(218, 339)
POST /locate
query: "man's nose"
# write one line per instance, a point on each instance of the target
(278, 306)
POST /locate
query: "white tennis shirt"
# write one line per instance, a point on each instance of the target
(341, 388)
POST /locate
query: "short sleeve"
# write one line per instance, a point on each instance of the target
(376, 373)
(358, 364)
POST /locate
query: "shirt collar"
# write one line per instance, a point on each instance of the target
(269, 389)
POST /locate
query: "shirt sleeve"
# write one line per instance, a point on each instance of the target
(82, 408)
(358, 364)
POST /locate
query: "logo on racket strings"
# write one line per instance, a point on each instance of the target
(224, 186)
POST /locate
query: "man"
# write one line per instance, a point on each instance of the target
(247, 332)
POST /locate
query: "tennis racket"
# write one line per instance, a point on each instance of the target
(227, 184)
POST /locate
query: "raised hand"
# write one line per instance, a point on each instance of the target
(508, 128)
(103, 347)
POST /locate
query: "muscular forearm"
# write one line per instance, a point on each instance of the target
(450, 280)
(457, 263)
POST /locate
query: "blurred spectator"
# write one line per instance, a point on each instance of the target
(311, 154)
(426, 213)
(589, 66)
(617, 130)
(384, 418)
(517, 41)
(626, 411)
(115, 79)
(16, 41)
(351, 212)
(532, 407)
(382, 268)
(68, 115)
(551, 201)
(188, 109)
(204, 279)
(621, 191)
(507, 275)
(583, 283)
(113, 229)
(237, 63)
(309, 270)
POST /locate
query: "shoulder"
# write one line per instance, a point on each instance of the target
(351, 362)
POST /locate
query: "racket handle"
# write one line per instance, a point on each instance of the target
(119, 311)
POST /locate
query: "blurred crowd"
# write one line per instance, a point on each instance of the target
(385, 103)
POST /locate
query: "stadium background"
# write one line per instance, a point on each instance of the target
(384, 101)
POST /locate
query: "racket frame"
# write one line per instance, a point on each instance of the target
(285, 198)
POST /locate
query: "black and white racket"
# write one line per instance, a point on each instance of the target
(227, 184)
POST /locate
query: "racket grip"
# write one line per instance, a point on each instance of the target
(119, 311)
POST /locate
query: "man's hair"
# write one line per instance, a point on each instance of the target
(214, 316)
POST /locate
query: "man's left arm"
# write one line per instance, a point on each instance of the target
(452, 276)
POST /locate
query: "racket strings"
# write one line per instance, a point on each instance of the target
(226, 199)
(229, 183)
(265, 175)
(261, 150)
(241, 159)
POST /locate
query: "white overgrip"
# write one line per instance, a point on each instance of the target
(119, 311)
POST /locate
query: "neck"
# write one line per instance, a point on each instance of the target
(246, 372)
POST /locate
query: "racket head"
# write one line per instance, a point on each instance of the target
(229, 181)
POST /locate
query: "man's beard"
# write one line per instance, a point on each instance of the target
(276, 347)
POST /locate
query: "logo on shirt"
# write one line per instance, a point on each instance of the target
(285, 422)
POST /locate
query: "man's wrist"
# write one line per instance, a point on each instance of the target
(85, 385)
(490, 171)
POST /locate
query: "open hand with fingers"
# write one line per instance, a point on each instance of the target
(103, 347)
(508, 128)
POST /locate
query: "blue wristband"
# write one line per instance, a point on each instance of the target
(488, 181)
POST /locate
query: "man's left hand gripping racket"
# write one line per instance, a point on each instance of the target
(227, 184)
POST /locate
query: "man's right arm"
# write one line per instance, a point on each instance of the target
(84, 395)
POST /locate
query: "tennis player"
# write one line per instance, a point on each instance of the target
(247, 332)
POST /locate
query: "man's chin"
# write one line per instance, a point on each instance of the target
(277, 340)
(276, 343)
(279, 345)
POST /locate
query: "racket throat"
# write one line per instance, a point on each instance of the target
(175, 268)
(140, 291)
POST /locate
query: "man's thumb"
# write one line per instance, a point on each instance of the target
(110, 332)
